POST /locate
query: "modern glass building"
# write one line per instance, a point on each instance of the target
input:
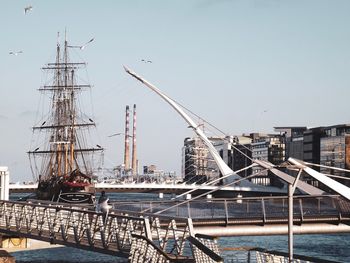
(325, 146)
(335, 150)
(271, 148)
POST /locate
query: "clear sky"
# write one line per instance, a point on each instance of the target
(245, 66)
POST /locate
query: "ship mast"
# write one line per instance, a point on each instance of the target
(65, 151)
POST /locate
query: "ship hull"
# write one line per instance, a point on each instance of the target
(63, 160)
(59, 194)
(60, 190)
(76, 198)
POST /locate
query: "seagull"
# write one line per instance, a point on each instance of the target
(103, 206)
(83, 46)
(15, 52)
(146, 61)
(115, 134)
(27, 9)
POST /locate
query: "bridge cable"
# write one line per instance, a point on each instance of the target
(206, 184)
(214, 190)
(329, 167)
(219, 130)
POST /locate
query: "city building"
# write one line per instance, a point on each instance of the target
(150, 169)
(335, 150)
(198, 165)
(236, 153)
(196, 159)
(324, 146)
(241, 155)
(294, 140)
(312, 146)
(271, 148)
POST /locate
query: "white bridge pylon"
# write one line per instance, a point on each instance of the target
(227, 171)
(332, 184)
(224, 169)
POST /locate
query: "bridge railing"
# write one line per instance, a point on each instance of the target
(78, 226)
(262, 209)
(204, 250)
(115, 233)
(144, 249)
(260, 255)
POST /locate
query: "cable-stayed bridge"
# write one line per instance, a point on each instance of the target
(181, 233)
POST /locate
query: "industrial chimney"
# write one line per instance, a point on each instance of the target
(134, 159)
(126, 150)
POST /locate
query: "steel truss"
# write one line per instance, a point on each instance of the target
(141, 239)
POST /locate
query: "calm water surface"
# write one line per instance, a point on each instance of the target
(331, 247)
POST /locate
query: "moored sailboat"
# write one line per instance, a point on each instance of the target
(63, 164)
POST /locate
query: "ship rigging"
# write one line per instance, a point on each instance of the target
(63, 164)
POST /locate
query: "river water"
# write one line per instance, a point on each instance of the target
(334, 247)
(330, 247)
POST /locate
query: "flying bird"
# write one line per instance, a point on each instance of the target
(27, 9)
(146, 61)
(83, 46)
(115, 134)
(15, 52)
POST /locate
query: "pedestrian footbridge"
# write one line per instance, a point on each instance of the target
(171, 231)
(141, 239)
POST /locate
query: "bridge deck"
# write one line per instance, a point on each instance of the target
(168, 229)
(266, 214)
(157, 188)
(115, 233)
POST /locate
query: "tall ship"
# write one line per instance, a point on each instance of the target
(62, 156)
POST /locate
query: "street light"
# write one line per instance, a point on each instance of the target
(125, 168)
(119, 133)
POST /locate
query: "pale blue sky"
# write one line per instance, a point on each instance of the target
(227, 60)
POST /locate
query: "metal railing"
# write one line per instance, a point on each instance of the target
(260, 255)
(77, 227)
(204, 250)
(114, 233)
(259, 210)
(145, 250)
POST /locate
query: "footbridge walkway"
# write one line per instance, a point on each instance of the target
(139, 238)
(251, 215)
(171, 231)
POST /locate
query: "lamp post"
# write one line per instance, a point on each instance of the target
(126, 169)
(291, 190)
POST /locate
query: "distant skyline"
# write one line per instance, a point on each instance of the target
(245, 66)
